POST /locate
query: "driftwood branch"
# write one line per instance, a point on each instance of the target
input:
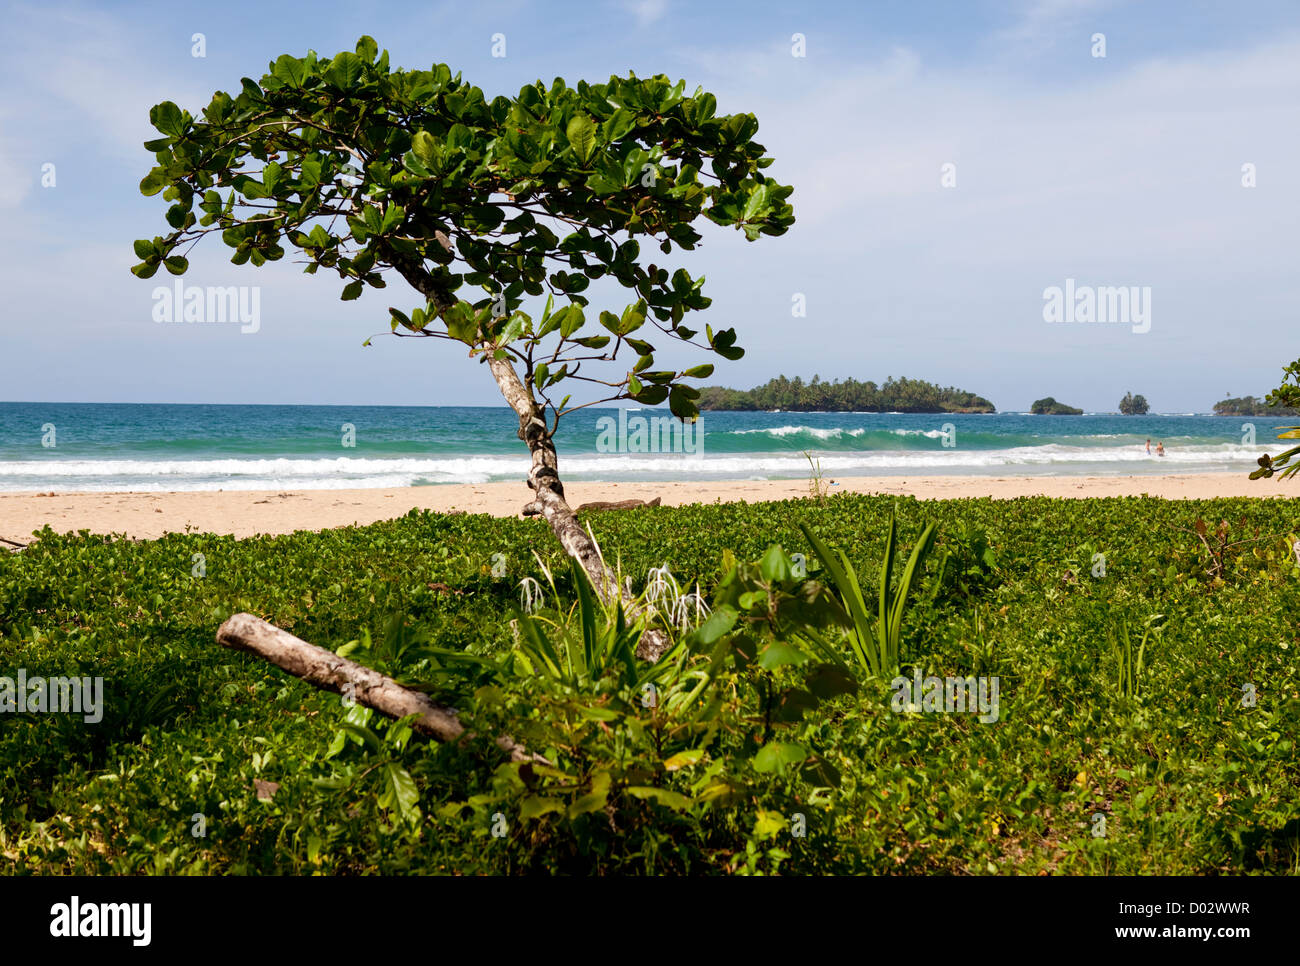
(329, 672)
(619, 505)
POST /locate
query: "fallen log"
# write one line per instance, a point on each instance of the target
(329, 672)
(618, 505)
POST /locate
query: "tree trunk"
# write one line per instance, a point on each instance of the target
(544, 480)
(543, 477)
(549, 503)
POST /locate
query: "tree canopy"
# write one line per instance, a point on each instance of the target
(363, 168)
(1285, 397)
(849, 395)
(1251, 406)
(1132, 405)
(1048, 406)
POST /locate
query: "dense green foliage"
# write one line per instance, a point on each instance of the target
(1132, 405)
(1146, 665)
(1250, 406)
(1285, 397)
(1048, 406)
(849, 395)
(370, 171)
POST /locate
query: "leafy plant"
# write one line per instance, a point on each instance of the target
(817, 487)
(1129, 663)
(968, 562)
(1219, 555)
(877, 647)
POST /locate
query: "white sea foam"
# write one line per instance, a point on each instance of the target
(359, 473)
(783, 431)
(928, 433)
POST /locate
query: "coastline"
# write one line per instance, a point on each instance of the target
(244, 513)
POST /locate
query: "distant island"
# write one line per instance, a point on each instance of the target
(1250, 406)
(1050, 407)
(1132, 405)
(849, 395)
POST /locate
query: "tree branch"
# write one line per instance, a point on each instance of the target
(329, 672)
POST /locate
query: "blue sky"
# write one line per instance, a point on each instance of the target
(1122, 170)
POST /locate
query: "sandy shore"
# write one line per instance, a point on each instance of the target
(247, 512)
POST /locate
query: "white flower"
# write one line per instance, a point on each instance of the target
(684, 605)
(661, 590)
(530, 595)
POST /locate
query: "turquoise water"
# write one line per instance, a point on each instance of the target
(103, 446)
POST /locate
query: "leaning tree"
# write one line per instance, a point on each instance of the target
(480, 205)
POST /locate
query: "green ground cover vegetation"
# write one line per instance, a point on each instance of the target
(1148, 695)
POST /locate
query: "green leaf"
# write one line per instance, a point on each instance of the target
(720, 621)
(633, 318)
(581, 133)
(352, 290)
(535, 806)
(674, 800)
(775, 756)
(167, 117)
(176, 264)
(681, 402)
(514, 328)
(779, 654)
(684, 759)
(461, 323)
(758, 203)
(768, 824)
(291, 70)
(400, 791)
(344, 70)
(367, 49)
(775, 565)
(652, 395)
(424, 146)
(393, 216)
(366, 736)
(574, 319)
(594, 800)
(153, 182)
(271, 176)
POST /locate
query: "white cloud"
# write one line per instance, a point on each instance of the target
(91, 77)
(1125, 176)
(646, 12)
(1040, 23)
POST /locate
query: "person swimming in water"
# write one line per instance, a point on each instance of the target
(1148, 447)
(1160, 449)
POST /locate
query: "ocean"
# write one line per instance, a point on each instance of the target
(109, 446)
